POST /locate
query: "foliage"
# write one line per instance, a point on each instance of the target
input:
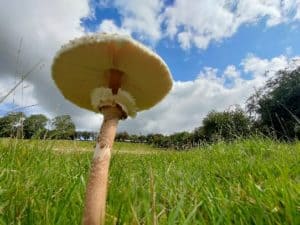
(181, 140)
(226, 125)
(11, 125)
(85, 135)
(122, 136)
(277, 104)
(252, 181)
(297, 131)
(35, 126)
(64, 128)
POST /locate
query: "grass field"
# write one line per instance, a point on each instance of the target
(253, 181)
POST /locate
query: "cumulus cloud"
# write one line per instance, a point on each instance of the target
(45, 25)
(231, 72)
(189, 102)
(42, 27)
(21, 98)
(109, 26)
(258, 67)
(141, 17)
(198, 23)
(194, 23)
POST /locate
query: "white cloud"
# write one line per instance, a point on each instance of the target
(141, 17)
(184, 40)
(22, 96)
(249, 11)
(231, 72)
(194, 23)
(189, 102)
(258, 67)
(198, 23)
(109, 26)
(43, 26)
(46, 25)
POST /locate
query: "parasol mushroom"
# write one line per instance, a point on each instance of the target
(114, 75)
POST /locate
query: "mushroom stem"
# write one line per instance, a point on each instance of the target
(94, 211)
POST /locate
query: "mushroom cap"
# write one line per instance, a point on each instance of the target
(83, 65)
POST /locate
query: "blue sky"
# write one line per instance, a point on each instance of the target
(218, 52)
(252, 39)
(185, 64)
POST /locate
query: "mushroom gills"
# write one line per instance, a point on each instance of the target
(115, 79)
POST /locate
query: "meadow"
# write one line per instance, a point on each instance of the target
(253, 181)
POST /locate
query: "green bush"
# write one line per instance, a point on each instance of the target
(276, 106)
(226, 125)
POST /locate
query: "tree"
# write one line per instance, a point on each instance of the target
(297, 131)
(181, 140)
(226, 125)
(35, 126)
(64, 128)
(11, 125)
(276, 106)
(122, 136)
(198, 136)
(86, 135)
(155, 139)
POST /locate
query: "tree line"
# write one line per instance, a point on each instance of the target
(16, 124)
(227, 125)
(273, 111)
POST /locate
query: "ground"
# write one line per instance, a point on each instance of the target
(254, 181)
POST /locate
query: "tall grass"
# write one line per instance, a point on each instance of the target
(254, 181)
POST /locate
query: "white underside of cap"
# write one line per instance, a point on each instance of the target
(101, 97)
(118, 39)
